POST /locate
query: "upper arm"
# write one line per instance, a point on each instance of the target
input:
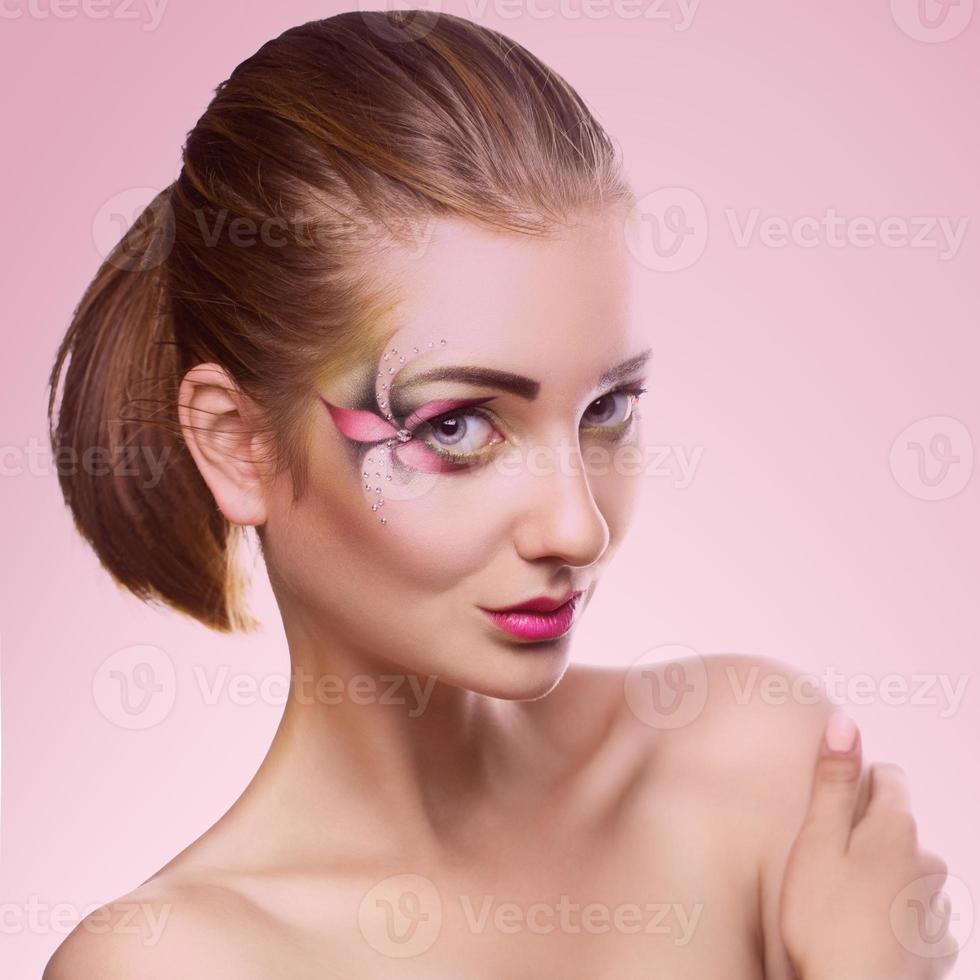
(778, 714)
(103, 946)
(179, 933)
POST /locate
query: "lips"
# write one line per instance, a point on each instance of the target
(541, 618)
(541, 603)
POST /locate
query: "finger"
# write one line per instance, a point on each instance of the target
(836, 781)
(889, 790)
(934, 865)
(949, 949)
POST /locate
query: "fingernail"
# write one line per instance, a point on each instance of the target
(841, 733)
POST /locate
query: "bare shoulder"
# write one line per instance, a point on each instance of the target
(765, 718)
(747, 727)
(743, 733)
(164, 929)
(768, 714)
(743, 723)
(757, 712)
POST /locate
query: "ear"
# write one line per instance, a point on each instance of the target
(215, 419)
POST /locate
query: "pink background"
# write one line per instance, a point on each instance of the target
(792, 370)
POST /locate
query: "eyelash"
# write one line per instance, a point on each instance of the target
(614, 433)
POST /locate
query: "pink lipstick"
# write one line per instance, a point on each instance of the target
(540, 618)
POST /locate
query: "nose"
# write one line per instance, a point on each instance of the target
(561, 519)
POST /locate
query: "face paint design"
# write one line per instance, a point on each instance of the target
(395, 445)
(398, 451)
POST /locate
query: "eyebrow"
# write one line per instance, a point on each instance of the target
(622, 371)
(517, 384)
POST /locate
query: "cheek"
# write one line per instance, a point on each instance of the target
(440, 532)
(444, 537)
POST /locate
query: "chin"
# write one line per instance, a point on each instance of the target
(521, 671)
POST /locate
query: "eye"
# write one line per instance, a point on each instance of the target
(614, 409)
(460, 435)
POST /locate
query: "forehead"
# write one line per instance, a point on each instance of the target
(531, 305)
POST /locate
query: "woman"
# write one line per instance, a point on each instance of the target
(383, 317)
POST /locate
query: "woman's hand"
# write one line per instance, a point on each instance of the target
(862, 901)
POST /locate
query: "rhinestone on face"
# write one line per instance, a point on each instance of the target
(402, 435)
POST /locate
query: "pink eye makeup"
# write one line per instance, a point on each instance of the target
(415, 453)
(394, 446)
(438, 436)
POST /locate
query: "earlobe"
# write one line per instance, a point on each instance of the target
(216, 421)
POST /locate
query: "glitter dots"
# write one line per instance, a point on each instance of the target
(402, 435)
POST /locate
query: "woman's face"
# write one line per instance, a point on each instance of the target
(525, 489)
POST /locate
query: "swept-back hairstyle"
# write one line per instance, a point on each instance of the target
(331, 143)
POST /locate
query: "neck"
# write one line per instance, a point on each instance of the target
(368, 757)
